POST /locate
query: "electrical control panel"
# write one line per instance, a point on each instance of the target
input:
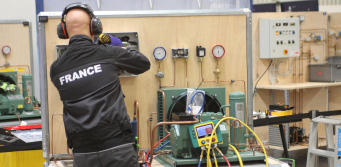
(279, 38)
(129, 39)
(201, 132)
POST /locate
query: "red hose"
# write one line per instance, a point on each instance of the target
(227, 161)
(146, 157)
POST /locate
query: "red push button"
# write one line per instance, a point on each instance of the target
(213, 139)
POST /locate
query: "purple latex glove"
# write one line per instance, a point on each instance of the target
(115, 41)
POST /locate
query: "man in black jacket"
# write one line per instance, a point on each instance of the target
(96, 122)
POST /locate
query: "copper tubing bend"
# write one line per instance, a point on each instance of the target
(137, 113)
(164, 109)
(166, 123)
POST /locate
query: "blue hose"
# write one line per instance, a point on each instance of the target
(203, 103)
(158, 150)
(199, 164)
(162, 146)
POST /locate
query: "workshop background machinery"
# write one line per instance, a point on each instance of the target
(187, 140)
(175, 102)
(15, 102)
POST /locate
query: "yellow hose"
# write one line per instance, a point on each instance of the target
(215, 159)
(237, 153)
(230, 118)
(208, 161)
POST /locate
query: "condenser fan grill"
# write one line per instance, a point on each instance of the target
(179, 105)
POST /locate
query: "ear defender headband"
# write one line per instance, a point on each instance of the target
(95, 25)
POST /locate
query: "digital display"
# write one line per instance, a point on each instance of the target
(205, 130)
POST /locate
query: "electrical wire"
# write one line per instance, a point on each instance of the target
(254, 92)
(227, 161)
(146, 157)
(237, 153)
(160, 148)
(215, 158)
(231, 118)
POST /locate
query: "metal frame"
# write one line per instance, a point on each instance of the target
(29, 38)
(127, 14)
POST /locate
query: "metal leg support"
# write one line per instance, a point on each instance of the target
(284, 142)
(330, 142)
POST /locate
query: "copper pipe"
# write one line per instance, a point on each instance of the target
(164, 109)
(186, 72)
(166, 123)
(150, 122)
(234, 132)
(174, 77)
(202, 76)
(52, 133)
(29, 100)
(137, 114)
(255, 147)
(68, 151)
(235, 81)
(18, 118)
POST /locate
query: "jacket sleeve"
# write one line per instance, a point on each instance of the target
(130, 60)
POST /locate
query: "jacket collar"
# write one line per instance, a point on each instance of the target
(80, 38)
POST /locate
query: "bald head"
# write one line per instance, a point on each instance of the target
(77, 23)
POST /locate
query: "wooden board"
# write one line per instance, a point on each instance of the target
(292, 86)
(168, 32)
(17, 37)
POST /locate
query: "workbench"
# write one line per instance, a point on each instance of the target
(286, 88)
(272, 163)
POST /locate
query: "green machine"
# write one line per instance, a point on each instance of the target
(176, 99)
(13, 101)
(237, 110)
(186, 140)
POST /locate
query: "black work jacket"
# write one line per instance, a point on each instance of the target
(86, 76)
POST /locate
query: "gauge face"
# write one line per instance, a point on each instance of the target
(159, 53)
(218, 51)
(6, 50)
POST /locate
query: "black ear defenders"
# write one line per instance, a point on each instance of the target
(95, 25)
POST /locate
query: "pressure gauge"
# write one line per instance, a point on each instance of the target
(6, 49)
(218, 51)
(159, 53)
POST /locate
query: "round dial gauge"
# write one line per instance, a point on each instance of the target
(218, 51)
(159, 53)
(6, 50)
